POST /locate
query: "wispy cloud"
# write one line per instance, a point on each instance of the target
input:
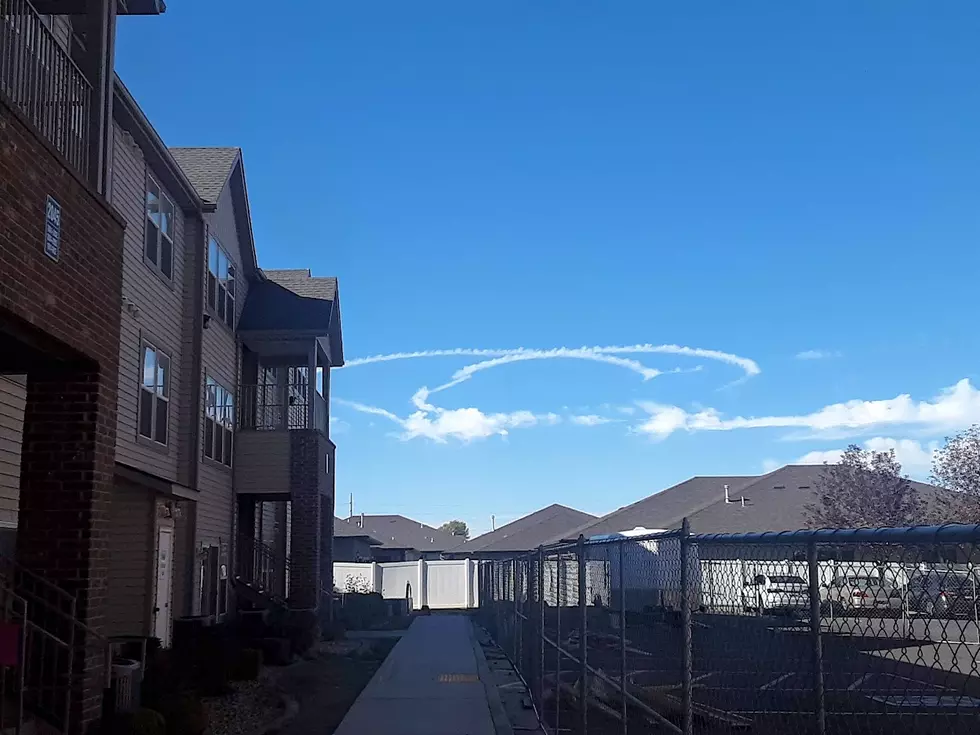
(627, 410)
(915, 457)
(338, 426)
(466, 424)
(591, 419)
(818, 354)
(954, 408)
(463, 424)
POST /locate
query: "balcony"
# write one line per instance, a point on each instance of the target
(39, 78)
(281, 407)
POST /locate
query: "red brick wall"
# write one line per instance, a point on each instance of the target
(70, 308)
(304, 555)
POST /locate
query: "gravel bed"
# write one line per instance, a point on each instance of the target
(251, 705)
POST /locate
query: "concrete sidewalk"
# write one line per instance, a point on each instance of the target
(429, 685)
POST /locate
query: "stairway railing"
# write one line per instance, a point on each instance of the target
(56, 648)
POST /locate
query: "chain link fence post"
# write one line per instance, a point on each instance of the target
(514, 611)
(815, 641)
(622, 634)
(583, 635)
(687, 641)
(541, 630)
(560, 597)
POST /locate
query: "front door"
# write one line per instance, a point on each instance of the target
(165, 572)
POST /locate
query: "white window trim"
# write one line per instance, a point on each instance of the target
(158, 264)
(146, 345)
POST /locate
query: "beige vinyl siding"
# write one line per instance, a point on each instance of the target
(159, 318)
(262, 462)
(13, 396)
(219, 351)
(131, 562)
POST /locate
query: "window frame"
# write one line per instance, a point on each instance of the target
(220, 300)
(219, 416)
(157, 263)
(159, 392)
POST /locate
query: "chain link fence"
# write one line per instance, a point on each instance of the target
(857, 631)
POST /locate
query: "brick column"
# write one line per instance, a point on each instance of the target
(304, 481)
(66, 478)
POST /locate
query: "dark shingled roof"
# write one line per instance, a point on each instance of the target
(773, 502)
(294, 300)
(776, 502)
(208, 169)
(343, 529)
(665, 509)
(396, 532)
(528, 532)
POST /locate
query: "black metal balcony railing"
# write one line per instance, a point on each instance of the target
(38, 77)
(281, 406)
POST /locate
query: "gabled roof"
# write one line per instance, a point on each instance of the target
(210, 170)
(776, 502)
(397, 532)
(295, 300)
(207, 168)
(528, 532)
(665, 509)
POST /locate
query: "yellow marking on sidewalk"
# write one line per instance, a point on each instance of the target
(457, 678)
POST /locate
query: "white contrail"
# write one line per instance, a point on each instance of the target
(467, 372)
(364, 408)
(749, 366)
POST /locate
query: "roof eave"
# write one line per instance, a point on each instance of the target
(134, 121)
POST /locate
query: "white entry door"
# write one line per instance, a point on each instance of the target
(165, 573)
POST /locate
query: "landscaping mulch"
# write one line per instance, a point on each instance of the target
(251, 705)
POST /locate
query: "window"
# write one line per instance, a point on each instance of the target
(221, 283)
(159, 230)
(213, 580)
(219, 420)
(154, 408)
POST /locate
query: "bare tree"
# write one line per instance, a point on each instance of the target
(956, 467)
(865, 488)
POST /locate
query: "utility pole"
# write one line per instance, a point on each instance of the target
(351, 513)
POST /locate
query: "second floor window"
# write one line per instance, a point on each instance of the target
(159, 229)
(154, 408)
(221, 283)
(219, 418)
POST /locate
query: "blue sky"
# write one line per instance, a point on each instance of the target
(760, 179)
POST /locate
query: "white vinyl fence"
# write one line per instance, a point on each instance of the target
(442, 585)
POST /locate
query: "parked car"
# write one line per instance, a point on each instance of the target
(945, 594)
(776, 592)
(860, 593)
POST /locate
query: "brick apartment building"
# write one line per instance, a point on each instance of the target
(164, 402)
